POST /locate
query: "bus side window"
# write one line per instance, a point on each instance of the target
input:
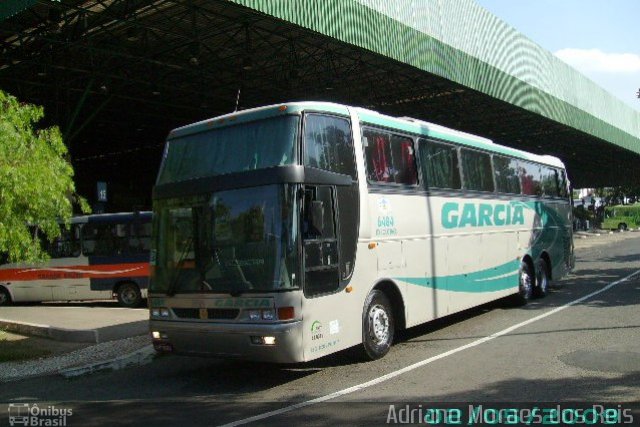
(139, 237)
(389, 157)
(550, 182)
(476, 170)
(439, 163)
(104, 239)
(328, 144)
(322, 195)
(506, 175)
(404, 161)
(378, 156)
(564, 192)
(66, 245)
(531, 179)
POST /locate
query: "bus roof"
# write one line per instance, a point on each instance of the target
(258, 113)
(403, 124)
(111, 217)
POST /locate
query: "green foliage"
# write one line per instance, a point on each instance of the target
(36, 181)
(618, 192)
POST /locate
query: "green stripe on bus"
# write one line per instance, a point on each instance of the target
(494, 279)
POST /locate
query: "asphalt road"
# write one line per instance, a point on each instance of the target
(587, 352)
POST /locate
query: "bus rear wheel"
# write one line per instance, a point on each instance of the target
(129, 295)
(622, 227)
(525, 285)
(542, 279)
(5, 297)
(377, 326)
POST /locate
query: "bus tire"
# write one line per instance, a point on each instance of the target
(541, 289)
(622, 227)
(378, 326)
(129, 295)
(5, 297)
(525, 285)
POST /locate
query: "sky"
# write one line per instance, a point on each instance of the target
(599, 38)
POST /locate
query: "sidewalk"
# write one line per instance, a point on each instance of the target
(78, 323)
(105, 336)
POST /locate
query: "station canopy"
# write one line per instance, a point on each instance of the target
(118, 75)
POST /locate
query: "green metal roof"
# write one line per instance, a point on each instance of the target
(118, 75)
(461, 41)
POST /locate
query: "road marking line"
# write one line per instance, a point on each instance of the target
(424, 362)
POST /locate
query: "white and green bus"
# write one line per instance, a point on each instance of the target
(288, 232)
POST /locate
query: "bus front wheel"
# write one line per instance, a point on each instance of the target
(377, 326)
(129, 295)
(622, 227)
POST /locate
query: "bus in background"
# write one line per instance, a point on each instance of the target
(621, 217)
(288, 232)
(98, 257)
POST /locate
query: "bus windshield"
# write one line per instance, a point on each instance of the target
(243, 147)
(234, 241)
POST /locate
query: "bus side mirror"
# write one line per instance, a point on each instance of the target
(316, 218)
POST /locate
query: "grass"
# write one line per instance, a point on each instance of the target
(15, 347)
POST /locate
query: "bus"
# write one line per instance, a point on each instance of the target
(98, 257)
(288, 232)
(621, 217)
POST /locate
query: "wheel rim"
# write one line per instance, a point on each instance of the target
(128, 295)
(544, 282)
(4, 298)
(525, 284)
(378, 324)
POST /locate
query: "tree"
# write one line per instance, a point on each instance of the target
(36, 181)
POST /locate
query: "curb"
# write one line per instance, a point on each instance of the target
(139, 357)
(47, 331)
(93, 336)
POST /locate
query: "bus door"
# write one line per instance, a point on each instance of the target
(329, 229)
(64, 273)
(321, 270)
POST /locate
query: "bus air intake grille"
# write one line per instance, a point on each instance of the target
(212, 313)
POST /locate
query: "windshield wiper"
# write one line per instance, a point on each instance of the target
(171, 290)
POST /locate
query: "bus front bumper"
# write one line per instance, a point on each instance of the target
(277, 343)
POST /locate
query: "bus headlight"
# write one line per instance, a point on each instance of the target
(268, 314)
(159, 312)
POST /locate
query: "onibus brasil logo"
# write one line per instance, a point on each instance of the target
(26, 414)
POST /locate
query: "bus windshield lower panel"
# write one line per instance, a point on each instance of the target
(235, 241)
